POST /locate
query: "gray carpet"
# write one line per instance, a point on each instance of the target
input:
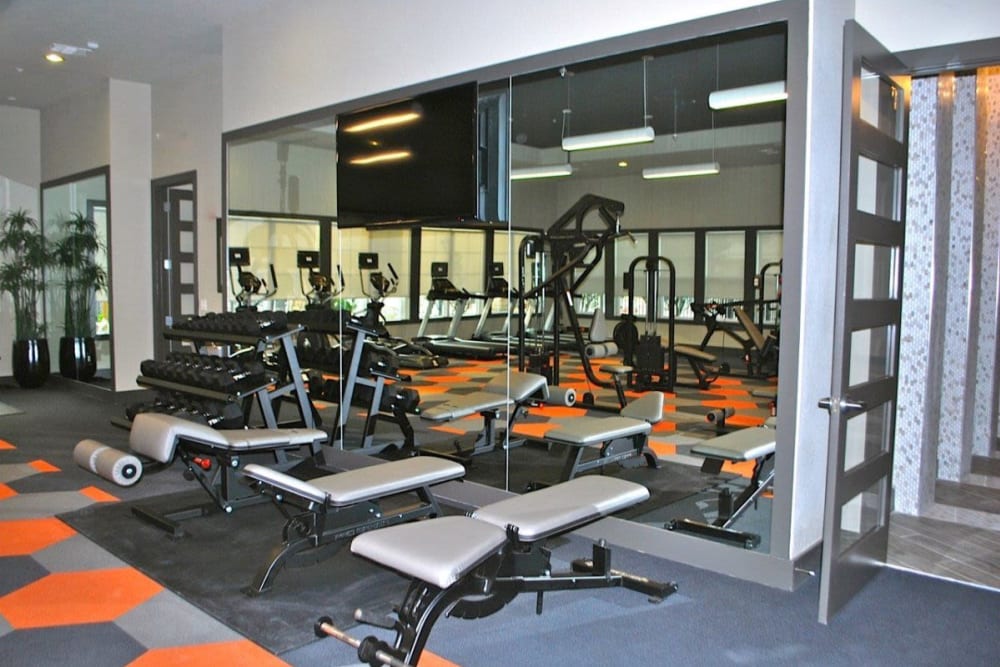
(219, 556)
(898, 619)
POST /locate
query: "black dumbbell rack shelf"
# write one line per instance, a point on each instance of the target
(268, 395)
(167, 385)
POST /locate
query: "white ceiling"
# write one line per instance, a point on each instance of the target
(139, 40)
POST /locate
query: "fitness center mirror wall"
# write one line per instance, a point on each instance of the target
(676, 277)
(75, 219)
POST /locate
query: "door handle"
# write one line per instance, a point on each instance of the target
(841, 405)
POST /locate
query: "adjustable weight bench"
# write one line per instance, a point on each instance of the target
(615, 438)
(339, 506)
(472, 566)
(213, 457)
(749, 444)
(495, 396)
(702, 364)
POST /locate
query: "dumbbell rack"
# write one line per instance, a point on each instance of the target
(268, 395)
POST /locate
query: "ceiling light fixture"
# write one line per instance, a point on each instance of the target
(699, 168)
(548, 171)
(743, 96)
(375, 158)
(390, 120)
(681, 170)
(634, 135)
(54, 57)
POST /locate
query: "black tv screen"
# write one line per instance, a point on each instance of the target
(409, 161)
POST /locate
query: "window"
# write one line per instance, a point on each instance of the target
(679, 248)
(272, 242)
(725, 269)
(463, 251)
(393, 248)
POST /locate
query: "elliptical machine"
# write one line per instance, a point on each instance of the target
(250, 293)
(376, 286)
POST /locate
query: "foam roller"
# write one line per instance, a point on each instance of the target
(565, 396)
(600, 350)
(718, 416)
(113, 465)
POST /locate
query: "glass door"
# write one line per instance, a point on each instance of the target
(862, 405)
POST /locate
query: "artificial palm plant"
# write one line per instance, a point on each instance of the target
(76, 252)
(22, 273)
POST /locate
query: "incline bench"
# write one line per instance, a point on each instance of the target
(749, 444)
(488, 402)
(472, 566)
(213, 458)
(339, 506)
(614, 438)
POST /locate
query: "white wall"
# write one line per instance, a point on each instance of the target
(20, 149)
(130, 148)
(75, 135)
(903, 25)
(20, 174)
(279, 62)
(187, 136)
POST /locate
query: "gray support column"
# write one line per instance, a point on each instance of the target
(987, 216)
(955, 434)
(915, 461)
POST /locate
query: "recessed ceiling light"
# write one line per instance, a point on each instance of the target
(53, 57)
(11, 98)
(18, 69)
(623, 163)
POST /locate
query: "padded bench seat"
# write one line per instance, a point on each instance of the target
(694, 353)
(339, 506)
(595, 430)
(157, 436)
(493, 396)
(442, 551)
(748, 444)
(361, 484)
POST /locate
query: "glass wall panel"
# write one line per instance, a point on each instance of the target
(273, 243)
(463, 251)
(679, 248)
(393, 248)
(725, 269)
(63, 200)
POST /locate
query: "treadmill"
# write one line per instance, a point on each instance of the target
(442, 289)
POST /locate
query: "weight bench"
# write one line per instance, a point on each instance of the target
(213, 458)
(702, 364)
(472, 566)
(749, 444)
(615, 438)
(336, 507)
(489, 401)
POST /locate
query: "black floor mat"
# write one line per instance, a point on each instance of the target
(219, 556)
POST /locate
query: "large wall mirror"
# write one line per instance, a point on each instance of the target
(702, 206)
(75, 220)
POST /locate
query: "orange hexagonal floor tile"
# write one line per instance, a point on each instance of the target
(68, 598)
(43, 466)
(26, 536)
(6, 445)
(238, 652)
(6, 492)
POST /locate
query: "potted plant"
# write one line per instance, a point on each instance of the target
(25, 257)
(76, 254)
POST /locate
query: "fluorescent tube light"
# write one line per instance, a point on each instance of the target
(388, 120)
(747, 95)
(375, 158)
(677, 171)
(548, 171)
(635, 135)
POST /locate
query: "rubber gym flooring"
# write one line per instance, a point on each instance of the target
(65, 600)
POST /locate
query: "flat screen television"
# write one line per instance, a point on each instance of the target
(409, 161)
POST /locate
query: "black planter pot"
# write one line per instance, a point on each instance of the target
(77, 357)
(31, 362)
